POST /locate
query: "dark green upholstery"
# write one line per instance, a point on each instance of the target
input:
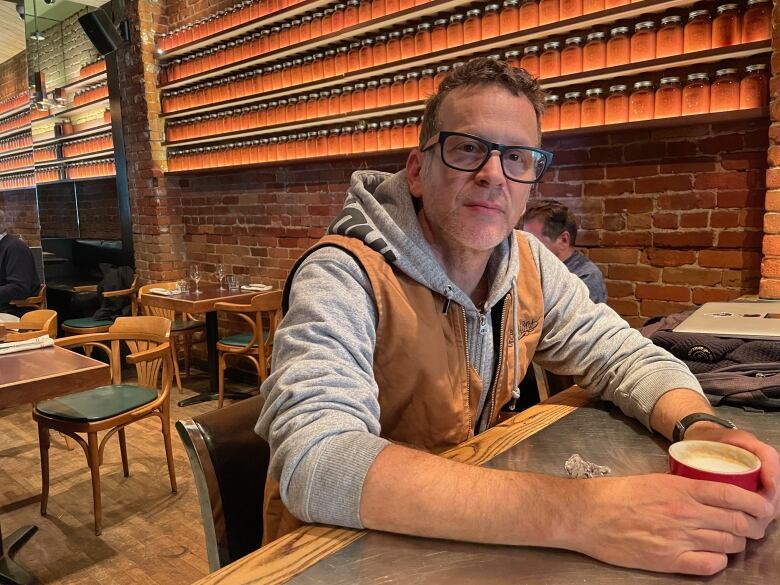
(184, 324)
(97, 404)
(87, 322)
(241, 339)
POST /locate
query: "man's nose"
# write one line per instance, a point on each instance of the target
(491, 172)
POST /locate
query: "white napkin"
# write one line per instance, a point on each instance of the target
(34, 343)
(257, 287)
(162, 291)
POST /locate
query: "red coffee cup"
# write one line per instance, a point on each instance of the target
(713, 461)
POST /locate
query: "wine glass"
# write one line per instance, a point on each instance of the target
(219, 272)
(195, 276)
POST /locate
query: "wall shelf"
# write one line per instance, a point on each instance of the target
(84, 180)
(15, 131)
(17, 189)
(99, 154)
(564, 26)
(17, 151)
(16, 110)
(83, 81)
(18, 171)
(76, 135)
(101, 103)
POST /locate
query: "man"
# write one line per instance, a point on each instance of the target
(18, 275)
(556, 227)
(409, 327)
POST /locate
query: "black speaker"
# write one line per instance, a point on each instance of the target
(101, 31)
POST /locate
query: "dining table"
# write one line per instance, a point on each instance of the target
(540, 439)
(27, 377)
(203, 302)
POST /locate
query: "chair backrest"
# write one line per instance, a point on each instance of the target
(229, 463)
(268, 307)
(143, 333)
(42, 320)
(38, 300)
(158, 311)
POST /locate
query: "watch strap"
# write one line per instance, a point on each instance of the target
(682, 425)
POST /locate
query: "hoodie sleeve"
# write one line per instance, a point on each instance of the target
(321, 413)
(594, 344)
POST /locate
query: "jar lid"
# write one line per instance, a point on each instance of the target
(574, 41)
(531, 49)
(668, 80)
(352, 2)
(372, 83)
(394, 35)
(346, 129)
(697, 13)
(412, 120)
(645, 24)
(317, 15)
(424, 26)
(595, 36)
(551, 45)
(380, 38)
(619, 30)
(442, 68)
(354, 45)
(492, 7)
(473, 12)
(572, 95)
(366, 42)
(643, 84)
(425, 72)
(359, 86)
(305, 18)
(385, 80)
(511, 54)
(385, 124)
(314, 95)
(308, 59)
(372, 126)
(594, 91)
(322, 133)
(311, 134)
(755, 67)
(298, 61)
(399, 77)
(277, 67)
(342, 50)
(440, 22)
(727, 71)
(323, 94)
(412, 75)
(408, 30)
(508, 3)
(296, 21)
(617, 88)
(328, 12)
(294, 100)
(551, 99)
(398, 121)
(458, 64)
(752, 2)
(284, 25)
(283, 102)
(456, 18)
(334, 131)
(273, 104)
(724, 7)
(698, 77)
(330, 52)
(494, 57)
(346, 88)
(335, 91)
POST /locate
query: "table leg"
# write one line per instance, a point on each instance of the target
(10, 572)
(212, 336)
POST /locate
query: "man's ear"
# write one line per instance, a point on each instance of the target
(414, 163)
(565, 238)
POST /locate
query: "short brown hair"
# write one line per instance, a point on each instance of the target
(481, 71)
(556, 218)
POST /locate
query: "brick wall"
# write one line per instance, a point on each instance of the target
(57, 211)
(98, 210)
(21, 214)
(180, 13)
(13, 75)
(770, 267)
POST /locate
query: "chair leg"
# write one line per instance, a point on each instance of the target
(175, 356)
(123, 451)
(187, 352)
(166, 431)
(94, 467)
(221, 380)
(44, 442)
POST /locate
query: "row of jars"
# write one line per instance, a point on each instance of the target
(93, 68)
(373, 137)
(19, 181)
(18, 161)
(13, 102)
(403, 88)
(15, 121)
(103, 167)
(90, 93)
(15, 142)
(87, 145)
(46, 154)
(49, 174)
(671, 99)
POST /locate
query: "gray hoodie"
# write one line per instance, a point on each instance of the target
(321, 415)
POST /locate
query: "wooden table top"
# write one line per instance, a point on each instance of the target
(39, 374)
(283, 559)
(210, 295)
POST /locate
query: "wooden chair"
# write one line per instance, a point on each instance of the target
(87, 325)
(37, 301)
(183, 327)
(111, 408)
(262, 314)
(33, 324)
(229, 464)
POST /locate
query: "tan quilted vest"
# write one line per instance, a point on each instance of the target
(428, 390)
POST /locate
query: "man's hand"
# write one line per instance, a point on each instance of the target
(770, 460)
(666, 523)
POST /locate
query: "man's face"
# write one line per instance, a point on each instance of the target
(558, 246)
(475, 210)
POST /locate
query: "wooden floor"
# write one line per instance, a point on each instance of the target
(149, 534)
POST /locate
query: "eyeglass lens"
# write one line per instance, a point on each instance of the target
(468, 154)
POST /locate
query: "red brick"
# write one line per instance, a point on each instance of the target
(683, 239)
(681, 131)
(639, 221)
(632, 171)
(614, 256)
(614, 222)
(694, 220)
(670, 257)
(692, 276)
(636, 273)
(772, 223)
(714, 295)
(666, 220)
(646, 151)
(580, 174)
(664, 183)
(773, 200)
(771, 245)
(602, 188)
(684, 166)
(624, 307)
(722, 143)
(620, 289)
(629, 204)
(769, 288)
(725, 180)
(724, 219)
(740, 279)
(739, 239)
(640, 239)
(661, 292)
(686, 201)
(770, 268)
(728, 259)
(652, 308)
(741, 198)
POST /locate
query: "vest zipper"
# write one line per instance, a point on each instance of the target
(445, 309)
(500, 363)
(468, 370)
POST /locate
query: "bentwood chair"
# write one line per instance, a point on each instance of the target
(34, 324)
(87, 325)
(262, 314)
(111, 408)
(229, 463)
(184, 328)
(37, 301)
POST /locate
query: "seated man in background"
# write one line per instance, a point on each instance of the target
(18, 275)
(556, 227)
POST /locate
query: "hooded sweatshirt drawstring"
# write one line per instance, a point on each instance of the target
(515, 388)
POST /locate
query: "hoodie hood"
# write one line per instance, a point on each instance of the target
(384, 201)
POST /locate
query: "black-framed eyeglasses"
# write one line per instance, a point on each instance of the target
(469, 153)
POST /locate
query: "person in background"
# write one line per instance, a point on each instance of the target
(18, 275)
(408, 327)
(556, 227)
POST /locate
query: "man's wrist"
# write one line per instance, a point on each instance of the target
(703, 427)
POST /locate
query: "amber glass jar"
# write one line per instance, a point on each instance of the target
(439, 35)
(378, 9)
(696, 95)
(616, 105)
(345, 140)
(392, 6)
(614, 3)
(366, 53)
(550, 60)
(323, 98)
(490, 21)
(407, 42)
(512, 58)
(591, 6)
(641, 104)
(594, 54)
(528, 15)
(549, 11)
(411, 132)
(327, 21)
(571, 110)
(618, 47)
(727, 26)
(364, 11)
(593, 108)
(668, 98)
(370, 138)
(351, 13)
(345, 100)
(757, 21)
(551, 119)
(422, 39)
(383, 135)
(340, 62)
(643, 41)
(441, 73)
(383, 92)
(397, 89)
(472, 26)
(571, 56)
(510, 17)
(754, 87)
(426, 83)
(455, 31)
(697, 35)
(359, 97)
(669, 40)
(571, 9)
(353, 56)
(724, 92)
(397, 133)
(530, 60)
(412, 87)
(393, 46)
(359, 138)
(334, 102)
(379, 50)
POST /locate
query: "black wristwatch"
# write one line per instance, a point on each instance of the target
(682, 425)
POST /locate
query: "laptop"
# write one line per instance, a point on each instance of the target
(750, 320)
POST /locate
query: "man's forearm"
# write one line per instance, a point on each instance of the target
(676, 404)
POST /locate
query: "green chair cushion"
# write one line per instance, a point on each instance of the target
(87, 322)
(184, 324)
(97, 404)
(241, 339)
